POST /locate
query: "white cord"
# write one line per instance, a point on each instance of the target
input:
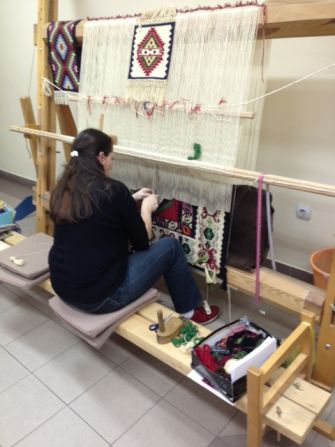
(283, 87)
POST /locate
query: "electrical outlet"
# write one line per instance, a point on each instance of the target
(303, 211)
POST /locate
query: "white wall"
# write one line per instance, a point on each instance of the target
(297, 136)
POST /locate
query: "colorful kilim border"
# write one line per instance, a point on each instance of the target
(64, 55)
(199, 232)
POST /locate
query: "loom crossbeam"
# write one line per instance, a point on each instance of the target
(203, 169)
(285, 18)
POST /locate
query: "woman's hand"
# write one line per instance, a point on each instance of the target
(150, 203)
(142, 194)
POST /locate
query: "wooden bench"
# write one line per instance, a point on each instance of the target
(282, 399)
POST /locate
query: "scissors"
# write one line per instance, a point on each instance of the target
(154, 326)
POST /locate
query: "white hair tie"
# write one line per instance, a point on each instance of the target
(74, 154)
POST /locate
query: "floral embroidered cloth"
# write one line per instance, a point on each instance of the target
(200, 232)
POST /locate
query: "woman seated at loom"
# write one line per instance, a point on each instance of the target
(96, 220)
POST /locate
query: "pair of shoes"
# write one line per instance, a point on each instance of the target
(200, 316)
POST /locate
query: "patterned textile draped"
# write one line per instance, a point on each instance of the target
(64, 55)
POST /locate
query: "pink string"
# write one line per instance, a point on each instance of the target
(258, 234)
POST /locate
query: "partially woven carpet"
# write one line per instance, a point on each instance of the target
(200, 232)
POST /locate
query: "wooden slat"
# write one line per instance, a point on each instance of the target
(29, 121)
(67, 126)
(201, 170)
(284, 350)
(307, 395)
(304, 18)
(285, 18)
(285, 379)
(325, 429)
(290, 419)
(281, 290)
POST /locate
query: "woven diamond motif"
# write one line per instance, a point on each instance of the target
(64, 55)
(151, 51)
(61, 47)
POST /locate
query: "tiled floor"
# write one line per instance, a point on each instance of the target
(55, 391)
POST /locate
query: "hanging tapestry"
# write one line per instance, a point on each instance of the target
(150, 56)
(64, 55)
(200, 233)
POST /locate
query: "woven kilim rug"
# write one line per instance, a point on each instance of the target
(151, 56)
(151, 51)
(201, 233)
(64, 55)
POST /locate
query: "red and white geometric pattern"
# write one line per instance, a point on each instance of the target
(151, 51)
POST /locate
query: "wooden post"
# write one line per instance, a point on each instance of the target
(29, 121)
(67, 126)
(308, 343)
(45, 160)
(324, 371)
(255, 387)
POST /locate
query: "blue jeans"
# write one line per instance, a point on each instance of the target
(164, 257)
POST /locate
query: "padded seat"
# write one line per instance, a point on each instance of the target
(95, 329)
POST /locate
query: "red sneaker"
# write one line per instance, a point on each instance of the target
(200, 316)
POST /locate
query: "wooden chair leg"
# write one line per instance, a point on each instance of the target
(324, 370)
(255, 387)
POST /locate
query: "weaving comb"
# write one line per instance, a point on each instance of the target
(169, 329)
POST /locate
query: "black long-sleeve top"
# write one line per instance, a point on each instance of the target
(88, 260)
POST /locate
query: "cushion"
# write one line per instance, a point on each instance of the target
(19, 281)
(34, 251)
(90, 326)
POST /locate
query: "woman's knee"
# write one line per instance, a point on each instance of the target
(170, 244)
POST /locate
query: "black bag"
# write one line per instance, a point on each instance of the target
(242, 240)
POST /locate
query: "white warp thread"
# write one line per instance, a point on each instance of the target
(212, 59)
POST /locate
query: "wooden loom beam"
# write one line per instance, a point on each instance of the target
(285, 18)
(299, 18)
(46, 155)
(202, 169)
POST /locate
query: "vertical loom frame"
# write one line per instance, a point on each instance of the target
(46, 153)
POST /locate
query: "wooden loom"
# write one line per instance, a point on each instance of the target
(284, 19)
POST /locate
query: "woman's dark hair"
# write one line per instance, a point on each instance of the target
(71, 200)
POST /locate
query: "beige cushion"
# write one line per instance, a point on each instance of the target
(20, 281)
(33, 251)
(93, 328)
